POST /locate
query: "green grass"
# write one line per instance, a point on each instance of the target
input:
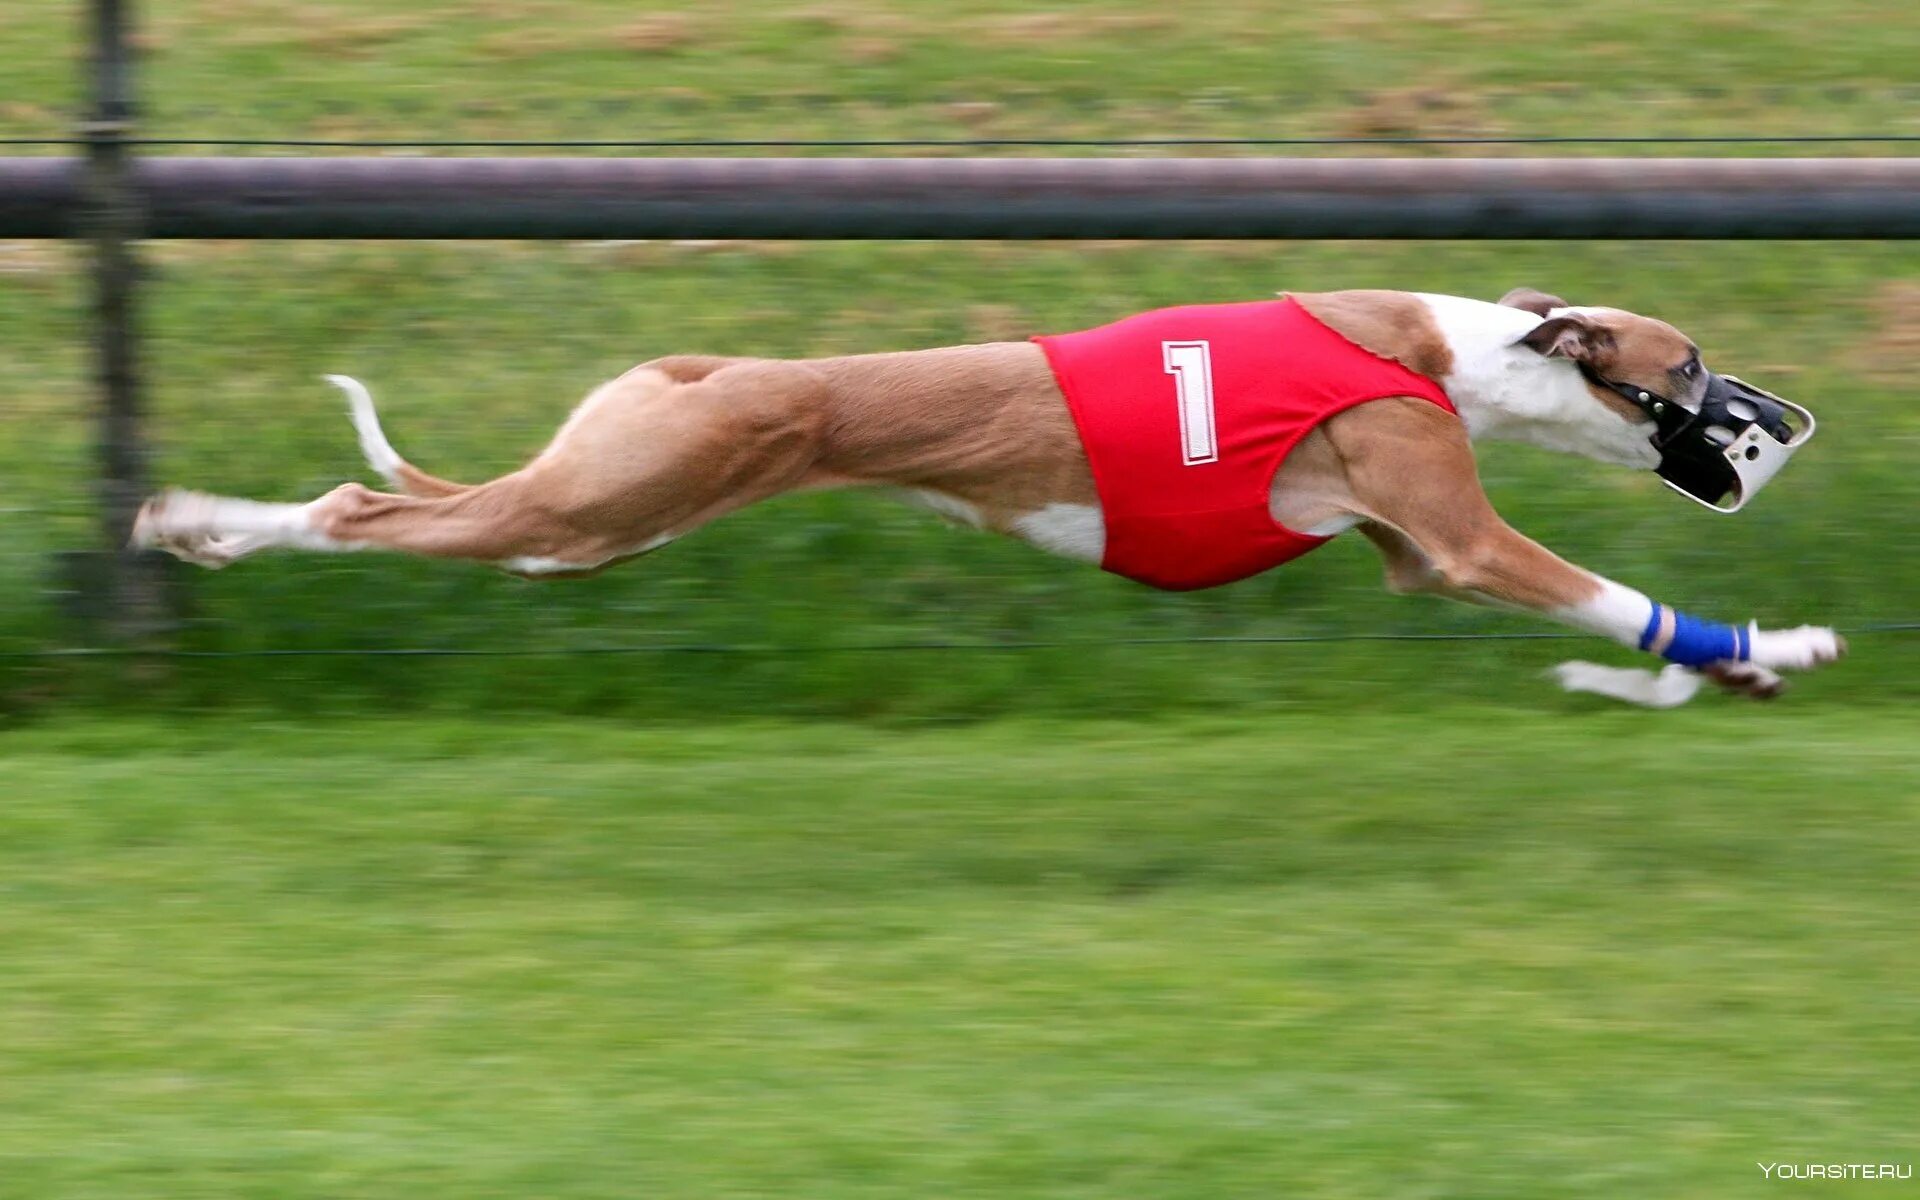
(998, 67)
(1491, 953)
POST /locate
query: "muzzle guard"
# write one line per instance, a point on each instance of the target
(1728, 449)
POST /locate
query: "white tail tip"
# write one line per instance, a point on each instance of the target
(379, 452)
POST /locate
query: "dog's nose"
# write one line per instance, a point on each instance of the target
(1740, 405)
(1772, 418)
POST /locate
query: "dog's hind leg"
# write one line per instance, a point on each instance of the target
(491, 522)
(643, 462)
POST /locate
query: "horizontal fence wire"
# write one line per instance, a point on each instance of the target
(738, 648)
(1085, 98)
(1390, 116)
(1068, 100)
(972, 143)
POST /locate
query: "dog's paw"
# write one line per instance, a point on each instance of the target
(175, 521)
(1800, 649)
(1746, 679)
(1669, 688)
(149, 522)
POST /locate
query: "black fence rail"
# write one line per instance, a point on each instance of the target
(987, 198)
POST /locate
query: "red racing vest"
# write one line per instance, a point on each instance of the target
(1186, 413)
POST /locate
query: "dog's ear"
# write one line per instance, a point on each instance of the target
(1570, 335)
(1529, 300)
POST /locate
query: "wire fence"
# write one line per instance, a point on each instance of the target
(1120, 143)
(914, 647)
(1415, 117)
(1487, 104)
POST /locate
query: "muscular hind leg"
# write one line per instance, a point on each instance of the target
(655, 459)
(644, 462)
(410, 480)
(213, 531)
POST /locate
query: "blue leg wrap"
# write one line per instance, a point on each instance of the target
(1691, 642)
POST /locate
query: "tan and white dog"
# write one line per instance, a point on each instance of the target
(981, 434)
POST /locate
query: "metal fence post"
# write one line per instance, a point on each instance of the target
(130, 589)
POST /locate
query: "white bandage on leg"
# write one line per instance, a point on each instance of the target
(1614, 611)
(1622, 614)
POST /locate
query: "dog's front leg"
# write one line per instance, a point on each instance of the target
(1411, 471)
(1501, 567)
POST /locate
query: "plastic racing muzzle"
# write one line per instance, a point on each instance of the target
(1722, 453)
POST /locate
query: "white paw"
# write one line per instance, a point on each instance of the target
(212, 531)
(1798, 649)
(175, 521)
(1670, 688)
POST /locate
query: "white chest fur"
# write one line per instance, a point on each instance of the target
(1077, 531)
(1508, 392)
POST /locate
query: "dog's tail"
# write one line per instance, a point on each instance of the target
(381, 456)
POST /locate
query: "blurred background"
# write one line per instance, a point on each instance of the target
(834, 851)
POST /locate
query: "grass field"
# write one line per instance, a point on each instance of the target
(1489, 953)
(545, 67)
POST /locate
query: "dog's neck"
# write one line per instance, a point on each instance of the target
(1508, 392)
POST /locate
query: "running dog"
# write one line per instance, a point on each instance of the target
(1185, 448)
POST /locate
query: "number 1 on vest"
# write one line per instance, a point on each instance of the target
(1191, 365)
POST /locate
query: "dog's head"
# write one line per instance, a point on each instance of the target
(1713, 438)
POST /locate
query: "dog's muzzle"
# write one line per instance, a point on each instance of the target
(1723, 452)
